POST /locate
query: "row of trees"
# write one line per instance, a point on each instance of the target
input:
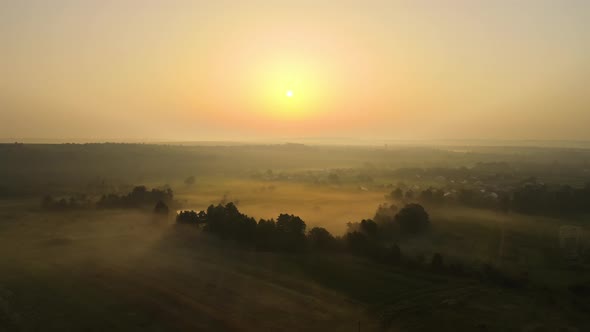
(139, 197)
(464, 196)
(530, 197)
(63, 204)
(538, 198)
(288, 232)
(370, 238)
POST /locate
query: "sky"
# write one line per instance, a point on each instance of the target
(222, 70)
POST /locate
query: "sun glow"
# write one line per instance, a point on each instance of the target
(279, 86)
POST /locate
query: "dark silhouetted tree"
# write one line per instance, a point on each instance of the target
(397, 194)
(266, 234)
(228, 222)
(369, 227)
(291, 232)
(189, 181)
(137, 198)
(191, 217)
(385, 214)
(320, 238)
(357, 242)
(413, 219)
(384, 217)
(161, 208)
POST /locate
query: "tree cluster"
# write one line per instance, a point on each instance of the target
(287, 233)
(529, 197)
(139, 197)
(538, 198)
(65, 203)
(367, 238)
(191, 217)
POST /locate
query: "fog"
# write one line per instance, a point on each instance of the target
(291, 236)
(138, 272)
(294, 166)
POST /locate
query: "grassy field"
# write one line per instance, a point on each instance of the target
(330, 207)
(124, 271)
(97, 270)
(121, 270)
(475, 236)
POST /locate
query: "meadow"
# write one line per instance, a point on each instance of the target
(124, 269)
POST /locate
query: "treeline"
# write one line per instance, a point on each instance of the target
(538, 198)
(138, 197)
(287, 233)
(77, 202)
(368, 238)
(530, 197)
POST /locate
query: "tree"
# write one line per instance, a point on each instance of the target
(291, 231)
(187, 217)
(320, 238)
(161, 208)
(266, 234)
(288, 223)
(385, 213)
(413, 219)
(384, 217)
(369, 227)
(228, 222)
(426, 195)
(139, 197)
(397, 194)
(358, 243)
(334, 178)
(189, 181)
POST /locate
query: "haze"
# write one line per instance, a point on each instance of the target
(218, 70)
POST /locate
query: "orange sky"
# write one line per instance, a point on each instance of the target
(219, 70)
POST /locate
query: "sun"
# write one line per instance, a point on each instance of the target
(289, 93)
